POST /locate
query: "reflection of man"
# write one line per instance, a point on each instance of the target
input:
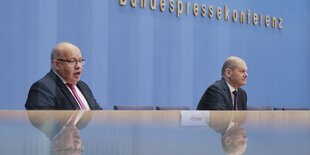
(61, 88)
(67, 142)
(62, 128)
(226, 93)
(234, 140)
(233, 137)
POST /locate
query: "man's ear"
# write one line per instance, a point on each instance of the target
(227, 140)
(228, 72)
(55, 64)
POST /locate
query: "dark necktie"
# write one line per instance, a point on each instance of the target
(235, 99)
(71, 86)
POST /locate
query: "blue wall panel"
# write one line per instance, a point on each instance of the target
(139, 56)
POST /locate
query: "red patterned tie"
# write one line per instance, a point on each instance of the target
(235, 99)
(71, 86)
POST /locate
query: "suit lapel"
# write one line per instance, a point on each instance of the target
(67, 93)
(70, 97)
(239, 100)
(83, 91)
(228, 94)
(240, 105)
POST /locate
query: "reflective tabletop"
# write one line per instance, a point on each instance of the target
(154, 132)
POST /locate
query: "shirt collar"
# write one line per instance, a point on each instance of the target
(231, 124)
(231, 88)
(79, 116)
(63, 80)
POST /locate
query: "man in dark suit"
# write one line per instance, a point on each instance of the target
(61, 88)
(226, 93)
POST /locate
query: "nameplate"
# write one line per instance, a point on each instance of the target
(194, 118)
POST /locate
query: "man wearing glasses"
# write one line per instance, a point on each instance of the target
(61, 88)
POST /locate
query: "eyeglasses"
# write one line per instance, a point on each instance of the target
(73, 62)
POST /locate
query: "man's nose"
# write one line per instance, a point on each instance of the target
(78, 65)
(246, 74)
(245, 138)
(76, 133)
(77, 138)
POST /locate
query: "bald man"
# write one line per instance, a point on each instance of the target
(226, 93)
(61, 88)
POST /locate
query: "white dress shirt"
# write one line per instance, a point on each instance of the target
(231, 89)
(77, 91)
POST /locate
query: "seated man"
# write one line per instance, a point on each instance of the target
(226, 93)
(61, 88)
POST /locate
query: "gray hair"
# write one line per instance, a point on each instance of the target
(54, 54)
(231, 63)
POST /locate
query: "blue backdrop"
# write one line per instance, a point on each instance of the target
(139, 56)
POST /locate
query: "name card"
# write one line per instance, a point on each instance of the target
(195, 118)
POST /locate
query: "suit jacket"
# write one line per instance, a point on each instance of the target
(218, 97)
(50, 93)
